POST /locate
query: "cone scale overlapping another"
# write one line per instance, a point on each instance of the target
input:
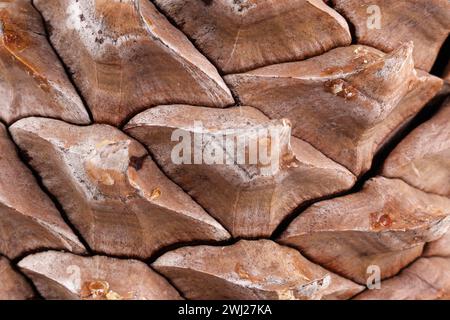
(248, 149)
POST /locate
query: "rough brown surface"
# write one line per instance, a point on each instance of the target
(425, 22)
(27, 223)
(60, 275)
(423, 158)
(386, 224)
(344, 102)
(243, 35)
(425, 279)
(224, 149)
(13, 286)
(440, 247)
(250, 200)
(125, 57)
(251, 270)
(111, 189)
(32, 80)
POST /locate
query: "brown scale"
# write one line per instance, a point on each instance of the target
(15, 42)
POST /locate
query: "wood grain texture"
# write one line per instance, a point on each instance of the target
(242, 35)
(125, 57)
(32, 80)
(111, 189)
(249, 198)
(59, 275)
(13, 285)
(29, 220)
(425, 22)
(346, 102)
(422, 159)
(385, 225)
(251, 270)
